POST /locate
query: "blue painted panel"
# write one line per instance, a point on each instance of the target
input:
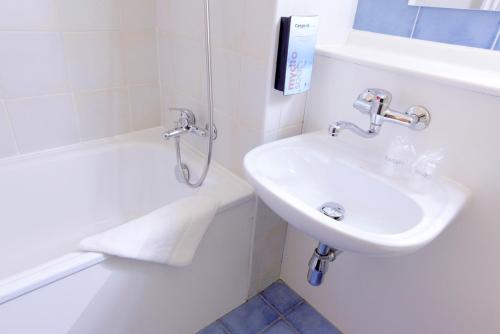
(453, 26)
(393, 17)
(470, 28)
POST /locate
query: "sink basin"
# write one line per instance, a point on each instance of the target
(295, 176)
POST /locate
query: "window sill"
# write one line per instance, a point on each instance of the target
(463, 67)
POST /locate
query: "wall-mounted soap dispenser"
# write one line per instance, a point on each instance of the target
(296, 50)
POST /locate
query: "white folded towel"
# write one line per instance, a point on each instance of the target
(169, 235)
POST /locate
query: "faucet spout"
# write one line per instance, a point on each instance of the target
(174, 133)
(376, 103)
(335, 129)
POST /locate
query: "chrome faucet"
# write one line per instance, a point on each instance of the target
(376, 103)
(186, 124)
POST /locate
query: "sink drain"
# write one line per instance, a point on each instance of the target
(333, 210)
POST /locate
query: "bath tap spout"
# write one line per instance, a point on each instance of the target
(174, 133)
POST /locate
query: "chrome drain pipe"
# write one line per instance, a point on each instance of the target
(324, 254)
(319, 262)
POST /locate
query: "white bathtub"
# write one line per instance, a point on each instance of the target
(51, 200)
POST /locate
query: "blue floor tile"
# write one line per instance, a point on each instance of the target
(280, 328)
(257, 316)
(281, 297)
(307, 320)
(215, 328)
(250, 318)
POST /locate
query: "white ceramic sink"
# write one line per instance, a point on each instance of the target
(295, 176)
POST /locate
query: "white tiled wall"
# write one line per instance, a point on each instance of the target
(73, 70)
(248, 110)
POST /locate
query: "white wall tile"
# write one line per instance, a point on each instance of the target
(138, 14)
(260, 29)
(270, 232)
(188, 67)
(253, 94)
(166, 60)
(227, 27)
(292, 109)
(7, 142)
(44, 122)
(141, 57)
(95, 60)
(101, 52)
(226, 148)
(187, 19)
(27, 14)
(145, 106)
(77, 15)
(103, 114)
(226, 80)
(31, 63)
(162, 15)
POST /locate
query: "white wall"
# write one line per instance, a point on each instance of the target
(450, 286)
(75, 70)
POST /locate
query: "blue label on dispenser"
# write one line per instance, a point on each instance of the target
(300, 56)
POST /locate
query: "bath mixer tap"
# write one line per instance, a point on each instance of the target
(376, 103)
(186, 124)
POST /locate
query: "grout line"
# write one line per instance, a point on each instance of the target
(415, 22)
(285, 320)
(70, 89)
(11, 126)
(82, 91)
(281, 316)
(295, 307)
(81, 31)
(37, 96)
(160, 76)
(496, 40)
(304, 115)
(125, 56)
(275, 321)
(224, 327)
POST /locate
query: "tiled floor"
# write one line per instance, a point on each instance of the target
(276, 310)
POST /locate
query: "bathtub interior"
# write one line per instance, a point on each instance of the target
(51, 200)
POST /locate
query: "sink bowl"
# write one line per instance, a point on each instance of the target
(383, 216)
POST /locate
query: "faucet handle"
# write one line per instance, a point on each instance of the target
(378, 94)
(368, 97)
(186, 117)
(362, 105)
(364, 101)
